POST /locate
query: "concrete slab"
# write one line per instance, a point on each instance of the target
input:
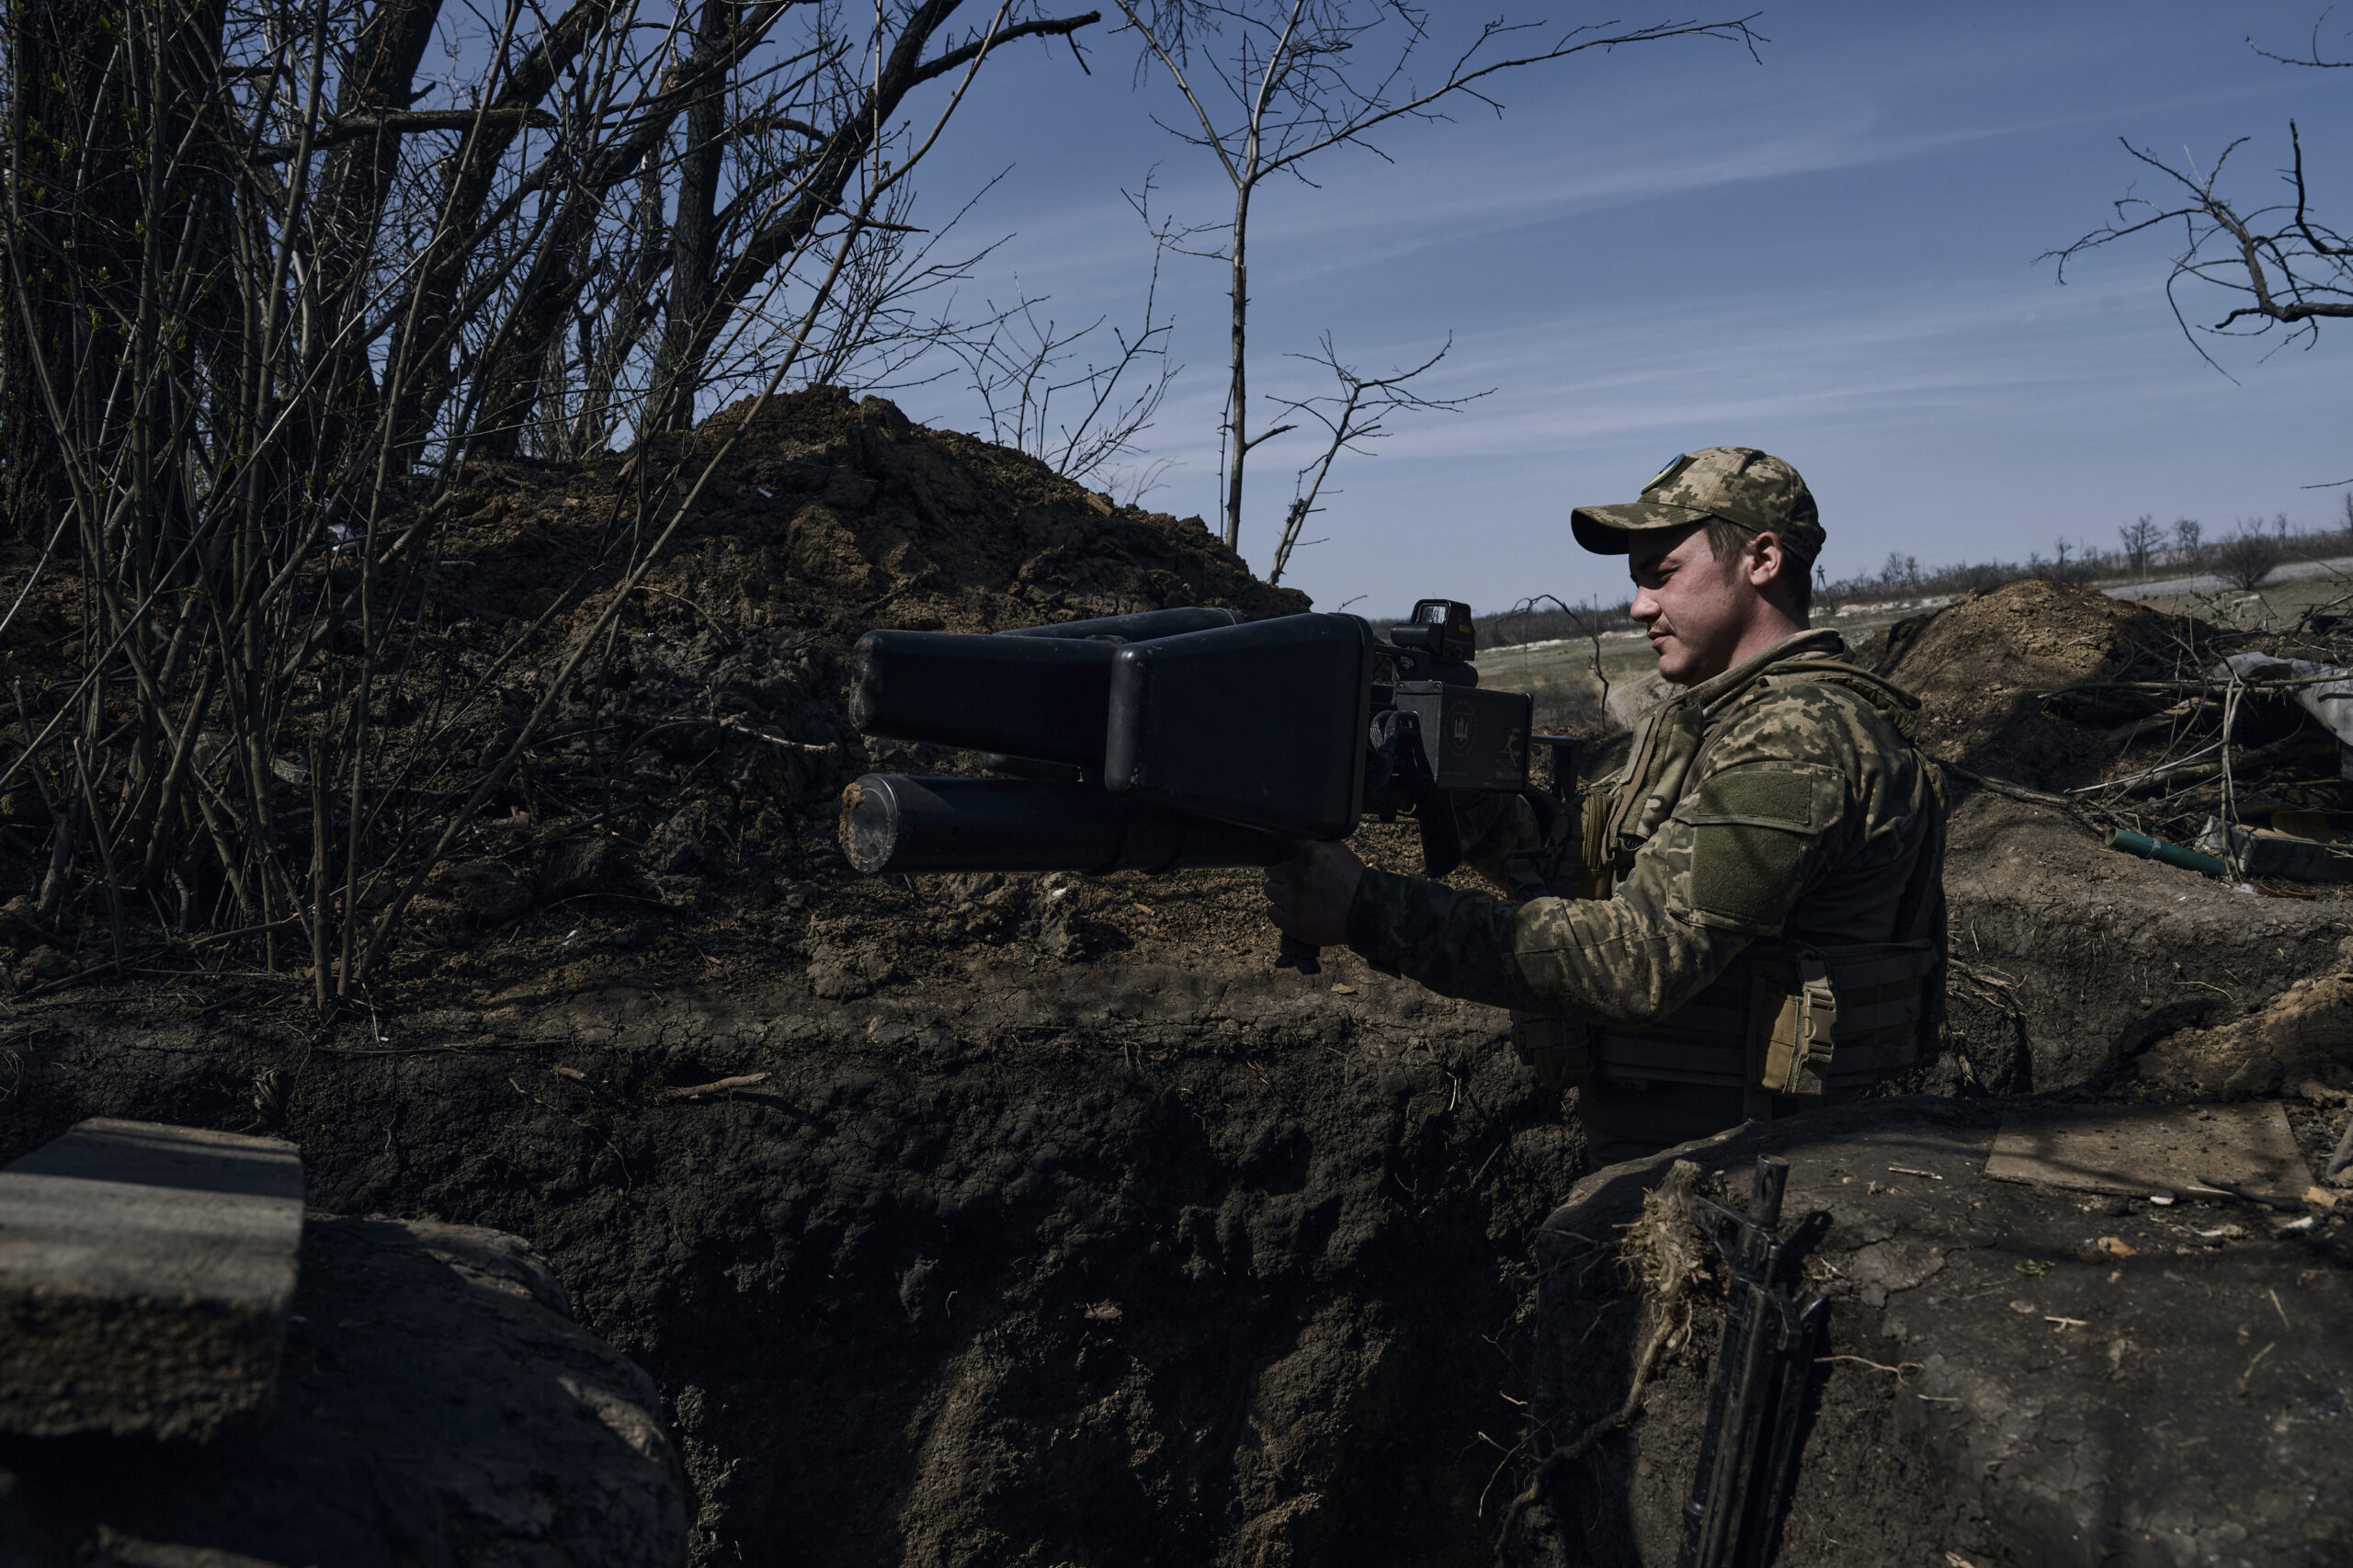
(2141, 1149)
(145, 1275)
(439, 1406)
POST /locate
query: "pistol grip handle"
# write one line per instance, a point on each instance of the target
(1296, 954)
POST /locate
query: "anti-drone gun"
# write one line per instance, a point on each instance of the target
(1175, 738)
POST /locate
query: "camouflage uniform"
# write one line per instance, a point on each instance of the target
(1761, 906)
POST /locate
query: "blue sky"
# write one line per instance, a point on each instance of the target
(1830, 254)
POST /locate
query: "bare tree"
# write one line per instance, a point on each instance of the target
(2070, 563)
(1271, 84)
(2279, 267)
(1351, 417)
(1588, 621)
(2186, 531)
(268, 291)
(1020, 365)
(2248, 558)
(2141, 538)
(2276, 266)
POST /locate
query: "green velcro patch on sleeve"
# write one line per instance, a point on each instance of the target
(1768, 794)
(1744, 872)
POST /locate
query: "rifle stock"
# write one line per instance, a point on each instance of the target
(1764, 1368)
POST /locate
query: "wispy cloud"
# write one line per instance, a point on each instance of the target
(1590, 378)
(1879, 325)
(1369, 212)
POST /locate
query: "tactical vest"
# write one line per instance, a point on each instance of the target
(1785, 1018)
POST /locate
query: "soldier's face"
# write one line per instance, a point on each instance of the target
(1696, 609)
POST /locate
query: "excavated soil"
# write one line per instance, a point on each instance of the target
(1024, 1219)
(1049, 1223)
(2070, 960)
(1983, 667)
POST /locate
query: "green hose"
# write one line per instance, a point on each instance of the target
(2148, 849)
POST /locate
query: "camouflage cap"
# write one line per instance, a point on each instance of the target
(1739, 485)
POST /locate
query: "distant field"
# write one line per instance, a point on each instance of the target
(2275, 605)
(1560, 674)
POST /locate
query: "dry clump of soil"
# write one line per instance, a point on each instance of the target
(2301, 1037)
(1983, 666)
(2062, 689)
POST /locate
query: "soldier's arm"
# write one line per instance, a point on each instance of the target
(1747, 838)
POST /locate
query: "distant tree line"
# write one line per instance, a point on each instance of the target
(2262, 264)
(2147, 552)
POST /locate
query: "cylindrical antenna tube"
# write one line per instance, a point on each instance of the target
(894, 821)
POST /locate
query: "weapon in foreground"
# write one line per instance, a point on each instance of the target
(1748, 1459)
(1175, 738)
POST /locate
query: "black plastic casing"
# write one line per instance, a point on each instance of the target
(1441, 628)
(1474, 739)
(1139, 627)
(895, 822)
(1262, 725)
(1030, 697)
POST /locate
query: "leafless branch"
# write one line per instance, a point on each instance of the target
(402, 122)
(1271, 84)
(1016, 369)
(1353, 416)
(2310, 57)
(2284, 270)
(271, 295)
(1588, 627)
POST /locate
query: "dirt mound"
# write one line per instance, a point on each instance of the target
(825, 511)
(1984, 667)
(960, 1218)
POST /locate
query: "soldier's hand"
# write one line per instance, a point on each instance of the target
(1308, 897)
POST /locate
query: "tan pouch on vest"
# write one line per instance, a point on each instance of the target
(1597, 875)
(1800, 1035)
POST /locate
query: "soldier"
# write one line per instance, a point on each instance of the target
(1748, 920)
